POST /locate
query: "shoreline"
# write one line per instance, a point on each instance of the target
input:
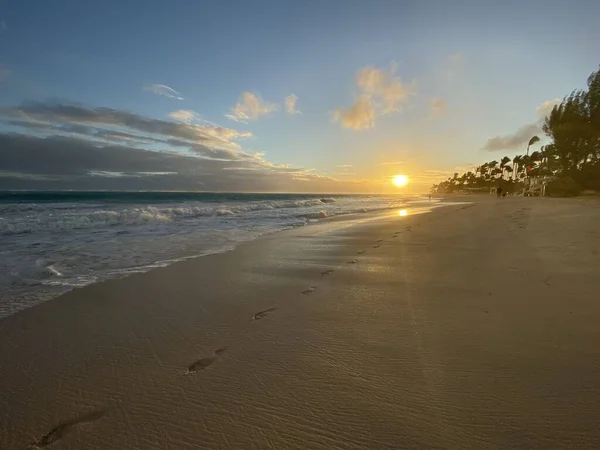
(408, 342)
(56, 284)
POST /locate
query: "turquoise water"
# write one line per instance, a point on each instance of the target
(51, 242)
(147, 197)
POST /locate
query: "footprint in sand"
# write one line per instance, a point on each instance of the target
(362, 252)
(394, 236)
(327, 272)
(352, 262)
(377, 246)
(309, 291)
(408, 228)
(379, 241)
(59, 431)
(259, 315)
(204, 362)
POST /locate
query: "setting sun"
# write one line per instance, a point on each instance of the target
(400, 180)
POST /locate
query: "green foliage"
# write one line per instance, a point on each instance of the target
(563, 187)
(574, 127)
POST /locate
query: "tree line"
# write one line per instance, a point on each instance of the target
(571, 160)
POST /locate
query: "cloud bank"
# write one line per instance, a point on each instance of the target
(72, 146)
(519, 139)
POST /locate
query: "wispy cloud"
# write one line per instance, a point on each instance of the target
(520, 138)
(438, 107)
(164, 90)
(391, 163)
(250, 107)
(290, 104)
(190, 117)
(381, 92)
(344, 166)
(184, 115)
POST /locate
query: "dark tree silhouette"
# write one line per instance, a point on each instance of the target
(572, 158)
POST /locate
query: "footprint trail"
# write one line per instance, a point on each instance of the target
(59, 431)
(203, 363)
(259, 315)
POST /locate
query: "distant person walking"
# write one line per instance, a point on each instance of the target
(498, 192)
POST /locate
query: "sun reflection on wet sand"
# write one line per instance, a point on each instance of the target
(403, 212)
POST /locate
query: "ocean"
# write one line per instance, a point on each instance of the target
(51, 242)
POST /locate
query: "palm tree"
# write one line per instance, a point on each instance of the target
(532, 141)
(503, 163)
(470, 178)
(492, 165)
(525, 163)
(517, 165)
(483, 170)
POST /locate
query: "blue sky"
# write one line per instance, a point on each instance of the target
(425, 83)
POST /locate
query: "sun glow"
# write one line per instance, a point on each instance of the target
(400, 180)
(403, 213)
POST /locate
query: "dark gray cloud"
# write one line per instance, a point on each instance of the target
(70, 146)
(83, 130)
(63, 162)
(519, 139)
(516, 141)
(61, 113)
(134, 130)
(60, 155)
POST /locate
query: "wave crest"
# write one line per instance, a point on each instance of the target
(32, 218)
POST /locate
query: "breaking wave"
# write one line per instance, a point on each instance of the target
(49, 247)
(35, 217)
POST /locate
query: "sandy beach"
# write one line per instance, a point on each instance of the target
(470, 326)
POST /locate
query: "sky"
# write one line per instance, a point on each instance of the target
(274, 96)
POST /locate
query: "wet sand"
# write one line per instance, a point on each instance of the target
(473, 326)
